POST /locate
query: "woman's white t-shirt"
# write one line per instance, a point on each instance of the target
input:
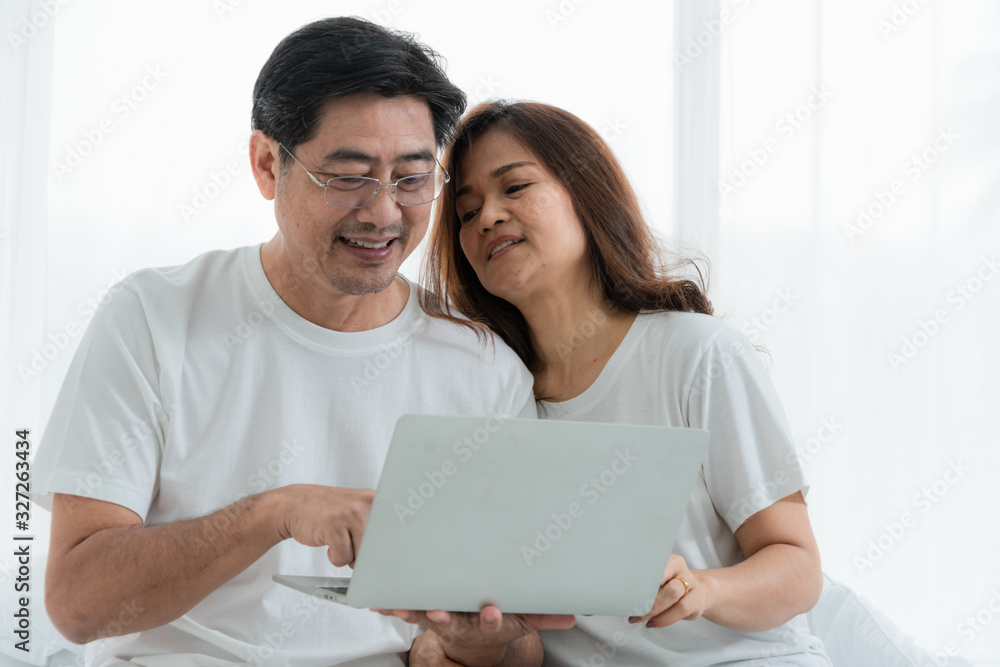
(692, 370)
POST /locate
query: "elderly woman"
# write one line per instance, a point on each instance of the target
(540, 239)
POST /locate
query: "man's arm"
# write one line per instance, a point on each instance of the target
(102, 560)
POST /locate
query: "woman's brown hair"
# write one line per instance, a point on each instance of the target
(625, 258)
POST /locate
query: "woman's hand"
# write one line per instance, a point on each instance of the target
(779, 578)
(683, 595)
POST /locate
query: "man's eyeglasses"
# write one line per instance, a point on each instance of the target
(360, 191)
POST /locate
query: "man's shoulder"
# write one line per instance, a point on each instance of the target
(192, 275)
(462, 339)
(165, 296)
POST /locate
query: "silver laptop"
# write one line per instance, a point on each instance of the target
(534, 516)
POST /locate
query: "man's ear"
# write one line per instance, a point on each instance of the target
(265, 162)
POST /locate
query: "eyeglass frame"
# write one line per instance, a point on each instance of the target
(392, 189)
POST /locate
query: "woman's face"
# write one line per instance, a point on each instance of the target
(519, 230)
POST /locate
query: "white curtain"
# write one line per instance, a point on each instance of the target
(26, 65)
(859, 242)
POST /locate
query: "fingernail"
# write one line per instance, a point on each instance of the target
(633, 619)
(651, 624)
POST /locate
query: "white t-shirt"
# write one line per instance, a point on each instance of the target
(691, 370)
(196, 385)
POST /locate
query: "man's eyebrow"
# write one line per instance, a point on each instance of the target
(496, 173)
(353, 155)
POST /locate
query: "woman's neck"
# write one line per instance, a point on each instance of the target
(574, 333)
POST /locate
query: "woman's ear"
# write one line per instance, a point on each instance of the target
(265, 162)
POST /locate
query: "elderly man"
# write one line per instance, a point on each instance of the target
(226, 419)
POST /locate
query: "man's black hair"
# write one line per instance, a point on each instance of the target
(342, 56)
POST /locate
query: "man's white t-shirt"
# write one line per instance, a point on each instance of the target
(195, 386)
(692, 370)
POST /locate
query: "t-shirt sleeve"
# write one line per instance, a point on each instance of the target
(105, 436)
(524, 399)
(751, 461)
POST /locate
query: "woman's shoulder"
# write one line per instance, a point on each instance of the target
(686, 330)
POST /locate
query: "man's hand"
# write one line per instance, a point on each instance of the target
(428, 651)
(487, 638)
(318, 516)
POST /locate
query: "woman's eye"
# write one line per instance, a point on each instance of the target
(516, 188)
(468, 216)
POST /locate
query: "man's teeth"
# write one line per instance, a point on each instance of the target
(503, 245)
(363, 244)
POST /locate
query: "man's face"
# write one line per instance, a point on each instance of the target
(358, 135)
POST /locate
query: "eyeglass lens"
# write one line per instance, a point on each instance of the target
(359, 191)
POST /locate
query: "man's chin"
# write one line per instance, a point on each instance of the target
(362, 285)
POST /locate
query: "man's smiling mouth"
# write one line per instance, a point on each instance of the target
(366, 244)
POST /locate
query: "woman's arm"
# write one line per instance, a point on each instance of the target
(779, 579)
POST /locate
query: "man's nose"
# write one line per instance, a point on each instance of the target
(383, 209)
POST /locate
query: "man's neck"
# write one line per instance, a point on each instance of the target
(315, 300)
